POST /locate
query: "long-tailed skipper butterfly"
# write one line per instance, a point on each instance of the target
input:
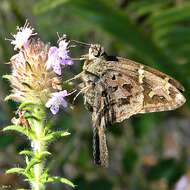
(115, 88)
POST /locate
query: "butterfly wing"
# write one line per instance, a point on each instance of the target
(136, 88)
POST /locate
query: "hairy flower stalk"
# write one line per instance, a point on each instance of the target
(35, 82)
(39, 146)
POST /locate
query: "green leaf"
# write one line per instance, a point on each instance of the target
(54, 135)
(31, 163)
(19, 171)
(61, 180)
(26, 152)
(171, 16)
(35, 117)
(46, 5)
(15, 170)
(43, 154)
(26, 105)
(143, 7)
(27, 160)
(20, 129)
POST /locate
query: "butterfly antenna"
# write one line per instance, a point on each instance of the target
(78, 59)
(58, 35)
(63, 37)
(74, 78)
(81, 43)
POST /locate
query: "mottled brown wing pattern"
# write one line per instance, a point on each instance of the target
(126, 96)
(117, 88)
(160, 91)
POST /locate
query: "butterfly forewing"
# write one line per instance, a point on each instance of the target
(161, 92)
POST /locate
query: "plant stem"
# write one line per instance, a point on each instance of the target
(39, 146)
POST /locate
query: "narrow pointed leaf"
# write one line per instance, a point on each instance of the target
(17, 128)
(31, 163)
(15, 170)
(55, 135)
(26, 152)
(61, 180)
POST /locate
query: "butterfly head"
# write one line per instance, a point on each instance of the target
(95, 51)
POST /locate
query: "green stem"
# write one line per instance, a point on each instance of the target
(38, 146)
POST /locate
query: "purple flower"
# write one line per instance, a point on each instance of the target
(21, 38)
(57, 100)
(53, 60)
(58, 56)
(183, 183)
(63, 53)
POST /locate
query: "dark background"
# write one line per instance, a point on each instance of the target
(147, 152)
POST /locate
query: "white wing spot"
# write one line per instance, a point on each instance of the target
(179, 97)
(141, 74)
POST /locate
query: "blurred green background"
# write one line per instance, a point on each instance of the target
(147, 152)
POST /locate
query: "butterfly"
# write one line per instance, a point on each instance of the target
(115, 88)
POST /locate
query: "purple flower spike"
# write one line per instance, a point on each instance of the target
(57, 100)
(58, 56)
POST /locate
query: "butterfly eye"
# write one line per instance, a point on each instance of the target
(96, 53)
(97, 50)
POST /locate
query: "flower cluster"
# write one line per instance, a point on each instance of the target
(36, 70)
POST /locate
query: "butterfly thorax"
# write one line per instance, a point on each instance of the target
(92, 71)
